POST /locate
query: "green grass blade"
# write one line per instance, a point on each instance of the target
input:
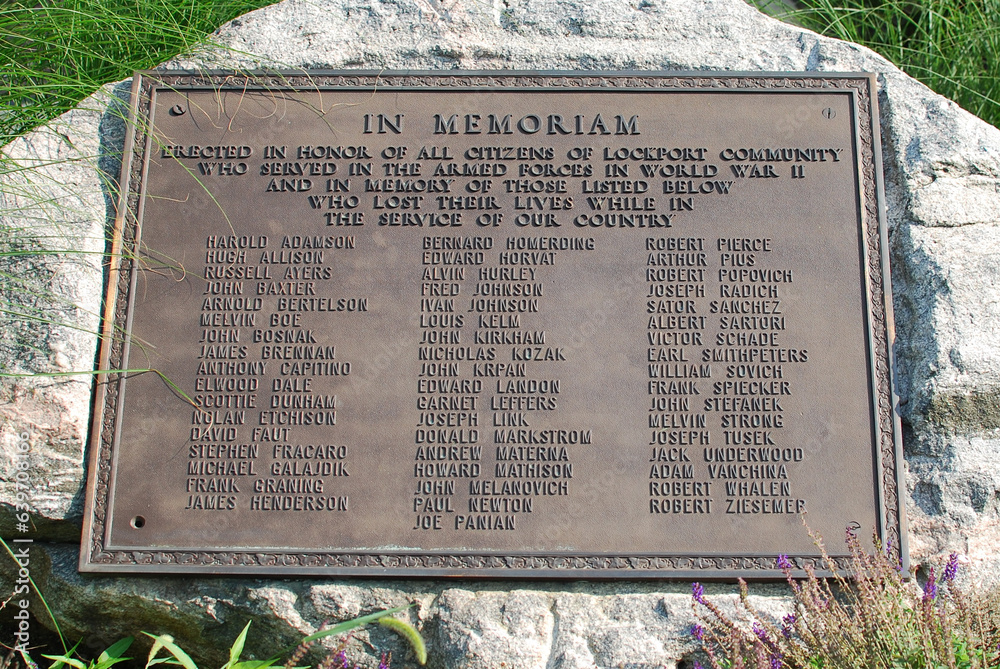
(165, 641)
(348, 625)
(60, 660)
(114, 652)
(237, 647)
(255, 664)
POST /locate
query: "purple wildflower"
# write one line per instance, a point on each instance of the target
(775, 662)
(698, 592)
(784, 562)
(384, 662)
(698, 631)
(930, 587)
(951, 571)
(787, 625)
(697, 665)
(765, 639)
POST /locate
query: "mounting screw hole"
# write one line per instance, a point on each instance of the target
(138, 522)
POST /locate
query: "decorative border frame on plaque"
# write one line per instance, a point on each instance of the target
(97, 556)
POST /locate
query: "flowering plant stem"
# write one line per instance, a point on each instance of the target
(869, 618)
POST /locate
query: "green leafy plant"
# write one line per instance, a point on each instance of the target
(177, 655)
(107, 659)
(871, 618)
(165, 650)
(953, 46)
(336, 659)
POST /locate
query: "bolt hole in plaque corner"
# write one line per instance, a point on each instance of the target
(466, 315)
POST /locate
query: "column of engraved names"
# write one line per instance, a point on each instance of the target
(252, 318)
(751, 464)
(676, 272)
(222, 459)
(652, 189)
(447, 434)
(297, 426)
(222, 455)
(532, 449)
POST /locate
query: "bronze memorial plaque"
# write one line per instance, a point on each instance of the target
(495, 324)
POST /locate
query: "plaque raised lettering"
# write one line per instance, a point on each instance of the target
(495, 324)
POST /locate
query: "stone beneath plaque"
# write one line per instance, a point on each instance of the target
(498, 324)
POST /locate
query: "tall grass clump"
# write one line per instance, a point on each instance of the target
(870, 618)
(952, 46)
(55, 53)
(165, 650)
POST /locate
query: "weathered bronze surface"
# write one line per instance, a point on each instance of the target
(495, 324)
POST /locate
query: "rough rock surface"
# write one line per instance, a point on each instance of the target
(52, 200)
(943, 191)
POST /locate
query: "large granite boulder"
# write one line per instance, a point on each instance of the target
(943, 191)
